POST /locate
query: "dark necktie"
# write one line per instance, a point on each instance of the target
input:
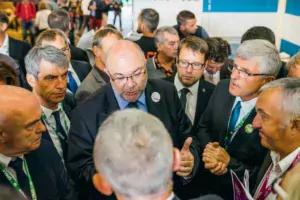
(132, 105)
(183, 97)
(232, 124)
(72, 83)
(23, 180)
(59, 128)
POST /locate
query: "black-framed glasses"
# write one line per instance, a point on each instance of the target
(123, 79)
(195, 65)
(244, 74)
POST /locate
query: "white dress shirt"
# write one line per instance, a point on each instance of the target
(5, 160)
(4, 49)
(212, 78)
(279, 167)
(246, 107)
(51, 123)
(191, 102)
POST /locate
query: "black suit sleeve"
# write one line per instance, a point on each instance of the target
(185, 130)
(80, 152)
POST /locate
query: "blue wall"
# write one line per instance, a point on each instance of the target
(240, 5)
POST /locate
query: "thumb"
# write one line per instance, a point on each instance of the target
(186, 145)
(215, 144)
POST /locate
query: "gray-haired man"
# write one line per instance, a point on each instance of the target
(227, 119)
(134, 157)
(47, 74)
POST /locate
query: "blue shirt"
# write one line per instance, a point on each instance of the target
(141, 102)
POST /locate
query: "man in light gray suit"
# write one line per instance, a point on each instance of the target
(97, 78)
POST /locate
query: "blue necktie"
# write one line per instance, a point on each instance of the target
(234, 117)
(72, 83)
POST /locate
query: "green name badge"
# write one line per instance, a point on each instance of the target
(249, 128)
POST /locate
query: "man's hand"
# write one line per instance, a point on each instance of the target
(186, 160)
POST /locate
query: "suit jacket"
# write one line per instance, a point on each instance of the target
(88, 116)
(49, 176)
(91, 84)
(18, 50)
(205, 91)
(78, 54)
(245, 149)
(81, 68)
(68, 104)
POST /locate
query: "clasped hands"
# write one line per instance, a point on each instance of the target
(215, 158)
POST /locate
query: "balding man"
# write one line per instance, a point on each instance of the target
(28, 164)
(128, 88)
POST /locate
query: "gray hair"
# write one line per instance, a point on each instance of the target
(290, 88)
(46, 53)
(133, 152)
(295, 60)
(159, 36)
(264, 52)
(150, 18)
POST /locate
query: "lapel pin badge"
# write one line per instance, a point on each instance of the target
(203, 90)
(249, 128)
(155, 96)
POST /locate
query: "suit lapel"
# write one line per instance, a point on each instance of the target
(201, 96)
(10, 46)
(154, 108)
(97, 76)
(77, 70)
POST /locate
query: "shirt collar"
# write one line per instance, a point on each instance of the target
(48, 112)
(5, 43)
(179, 86)
(123, 103)
(247, 106)
(5, 160)
(286, 162)
(71, 69)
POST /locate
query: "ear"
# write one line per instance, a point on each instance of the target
(295, 126)
(158, 45)
(269, 79)
(31, 80)
(2, 136)
(101, 185)
(95, 51)
(176, 159)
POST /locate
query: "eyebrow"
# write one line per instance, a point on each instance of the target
(119, 74)
(259, 110)
(32, 123)
(246, 70)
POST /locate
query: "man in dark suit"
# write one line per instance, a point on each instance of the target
(28, 164)
(194, 92)
(218, 65)
(77, 70)
(187, 25)
(97, 78)
(47, 69)
(125, 63)
(11, 47)
(277, 121)
(60, 19)
(140, 136)
(227, 120)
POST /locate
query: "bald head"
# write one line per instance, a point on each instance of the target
(20, 125)
(124, 49)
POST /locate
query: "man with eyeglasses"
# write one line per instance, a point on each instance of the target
(218, 64)
(129, 87)
(225, 131)
(194, 92)
(278, 123)
(77, 70)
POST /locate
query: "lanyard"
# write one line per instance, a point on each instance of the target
(14, 183)
(236, 128)
(55, 130)
(264, 190)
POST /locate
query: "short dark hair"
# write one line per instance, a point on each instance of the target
(100, 34)
(50, 35)
(150, 17)
(183, 16)
(3, 18)
(259, 32)
(59, 19)
(219, 49)
(8, 74)
(194, 43)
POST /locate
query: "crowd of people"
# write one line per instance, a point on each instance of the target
(169, 116)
